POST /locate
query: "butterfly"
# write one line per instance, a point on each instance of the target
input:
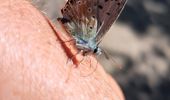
(89, 20)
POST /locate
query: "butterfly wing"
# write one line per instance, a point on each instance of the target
(79, 18)
(108, 12)
(90, 19)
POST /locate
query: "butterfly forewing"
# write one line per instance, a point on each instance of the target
(91, 19)
(108, 12)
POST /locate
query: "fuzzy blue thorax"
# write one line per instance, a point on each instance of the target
(89, 46)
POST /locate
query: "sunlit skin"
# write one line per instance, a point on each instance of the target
(33, 60)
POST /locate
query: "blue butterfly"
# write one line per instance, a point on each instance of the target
(89, 20)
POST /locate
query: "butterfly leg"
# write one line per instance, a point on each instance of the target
(72, 40)
(69, 73)
(71, 67)
(90, 68)
(72, 58)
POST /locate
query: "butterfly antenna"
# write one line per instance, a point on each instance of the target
(99, 41)
(107, 56)
(99, 28)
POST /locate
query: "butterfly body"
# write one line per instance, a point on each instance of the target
(87, 46)
(88, 21)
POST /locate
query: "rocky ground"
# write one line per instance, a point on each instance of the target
(140, 42)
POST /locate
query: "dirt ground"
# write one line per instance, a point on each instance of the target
(140, 42)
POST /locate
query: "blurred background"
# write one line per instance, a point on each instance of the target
(140, 43)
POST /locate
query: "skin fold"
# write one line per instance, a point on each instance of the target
(33, 60)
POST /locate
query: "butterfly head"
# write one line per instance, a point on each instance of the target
(97, 51)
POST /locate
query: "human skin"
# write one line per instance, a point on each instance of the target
(33, 60)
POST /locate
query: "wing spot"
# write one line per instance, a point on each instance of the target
(100, 23)
(64, 10)
(71, 1)
(79, 2)
(66, 6)
(108, 13)
(69, 31)
(91, 27)
(84, 2)
(118, 3)
(89, 10)
(100, 6)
